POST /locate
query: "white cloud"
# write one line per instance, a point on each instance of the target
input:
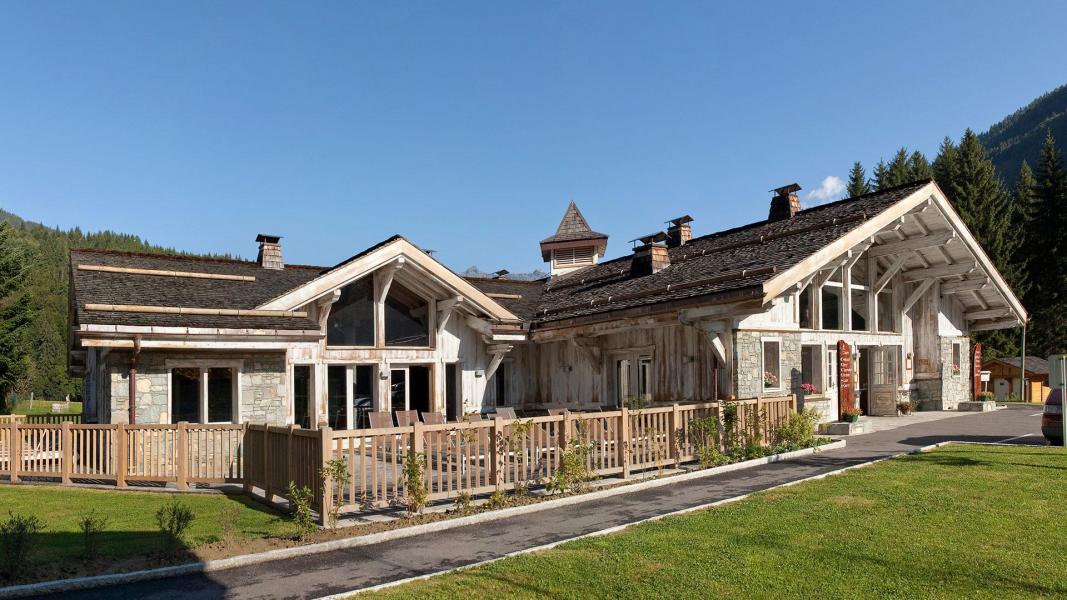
(832, 188)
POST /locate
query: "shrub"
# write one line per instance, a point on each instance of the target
(798, 430)
(572, 474)
(984, 396)
(174, 518)
(300, 499)
(712, 456)
(415, 481)
(464, 502)
(499, 499)
(730, 421)
(704, 436)
(229, 521)
(18, 537)
(335, 478)
(91, 524)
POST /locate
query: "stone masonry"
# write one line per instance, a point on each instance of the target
(748, 355)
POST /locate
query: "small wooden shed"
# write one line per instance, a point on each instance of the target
(1004, 377)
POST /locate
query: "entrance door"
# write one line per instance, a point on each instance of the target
(883, 381)
(302, 404)
(398, 393)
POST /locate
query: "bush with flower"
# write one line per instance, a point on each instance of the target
(769, 380)
(808, 388)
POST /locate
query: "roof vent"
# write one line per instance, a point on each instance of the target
(501, 274)
(679, 232)
(785, 204)
(270, 251)
(650, 255)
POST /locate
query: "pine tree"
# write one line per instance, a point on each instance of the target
(897, 173)
(881, 176)
(1023, 214)
(16, 311)
(1048, 325)
(857, 181)
(945, 164)
(918, 167)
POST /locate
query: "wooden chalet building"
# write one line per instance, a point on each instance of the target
(872, 296)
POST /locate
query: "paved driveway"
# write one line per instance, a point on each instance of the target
(344, 570)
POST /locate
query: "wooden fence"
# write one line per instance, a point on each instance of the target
(44, 419)
(460, 458)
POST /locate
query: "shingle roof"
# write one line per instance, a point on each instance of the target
(98, 287)
(1034, 364)
(529, 290)
(573, 227)
(730, 260)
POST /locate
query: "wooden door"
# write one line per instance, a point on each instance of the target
(883, 382)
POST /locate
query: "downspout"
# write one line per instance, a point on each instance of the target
(133, 379)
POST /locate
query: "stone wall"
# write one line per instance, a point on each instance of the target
(263, 394)
(955, 387)
(748, 356)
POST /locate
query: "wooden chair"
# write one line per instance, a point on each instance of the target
(433, 418)
(555, 412)
(406, 418)
(506, 412)
(472, 417)
(380, 419)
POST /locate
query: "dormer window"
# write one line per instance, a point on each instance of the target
(575, 245)
(573, 257)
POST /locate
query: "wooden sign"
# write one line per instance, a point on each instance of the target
(845, 394)
(976, 371)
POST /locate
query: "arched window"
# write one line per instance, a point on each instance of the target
(351, 321)
(407, 318)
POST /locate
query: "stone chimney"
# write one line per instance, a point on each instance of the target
(679, 232)
(270, 251)
(785, 203)
(650, 255)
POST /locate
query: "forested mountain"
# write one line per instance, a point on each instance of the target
(1020, 136)
(33, 302)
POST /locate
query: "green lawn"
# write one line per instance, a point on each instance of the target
(40, 407)
(963, 521)
(131, 529)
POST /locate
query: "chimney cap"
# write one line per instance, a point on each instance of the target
(682, 220)
(651, 238)
(787, 189)
(501, 274)
(267, 238)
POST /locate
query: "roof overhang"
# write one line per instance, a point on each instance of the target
(415, 261)
(949, 255)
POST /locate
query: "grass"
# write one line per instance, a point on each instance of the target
(131, 529)
(41, 407)
(963, 521)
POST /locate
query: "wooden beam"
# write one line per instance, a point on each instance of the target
(893, 269)
(187, 310)
(918, 293)
(165, 273)
(966, 285)
(993, 313)
(962, 268)
(989, 325)
(445, 309)
(480, 325)
(915, 243)
(494, 363)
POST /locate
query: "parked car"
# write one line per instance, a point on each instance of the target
(1052, 419)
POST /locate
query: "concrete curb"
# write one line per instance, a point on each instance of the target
(80, 583)
(619, 528)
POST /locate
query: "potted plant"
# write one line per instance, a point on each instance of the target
(984, 396)
(904, 407)
(851, 414)
(809, 389)
(769, 380)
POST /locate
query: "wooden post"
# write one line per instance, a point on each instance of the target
(624, 443)
(181, 469)
(121, 445)
(325, 454)
(758, 425)
(496, 473)
(565, 430)
(67, 445)
(289, 454)
(793, 403)
(15, 452)
(246, 473)
(674, 429)
(268, 491)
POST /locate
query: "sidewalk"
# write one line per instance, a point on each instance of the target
(356, 568)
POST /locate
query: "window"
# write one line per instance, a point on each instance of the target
(336, 396)
(503, 378)
(351, 321)
(831, 307)
(831, 369)
(362, 394)
(860, 310)
(886, 312)
(622, 382)
(772, 367)
(811, 369)
(644, 379)
(806, 306)
(407, 318)
(347, 407)
(571, 257)
(859, 273)
(202, 394)
(957, 361)
(302, 396)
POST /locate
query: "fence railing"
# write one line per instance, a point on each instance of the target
(43, 419)
(460, 458)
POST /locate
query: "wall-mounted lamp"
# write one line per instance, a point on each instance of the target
(383, 374)
(479, 373)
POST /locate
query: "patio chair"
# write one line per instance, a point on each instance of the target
(380, 419)
(406, 418)
(555, 412)
(433, 418)
(506, 412)
(472, 417)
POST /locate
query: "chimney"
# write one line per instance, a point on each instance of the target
(785, 203)
(679, 232)
(270, 251)
(650, 255)
(501, 274)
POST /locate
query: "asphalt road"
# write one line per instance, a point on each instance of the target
(346, 570)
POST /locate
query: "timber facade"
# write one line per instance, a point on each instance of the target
(867, 301)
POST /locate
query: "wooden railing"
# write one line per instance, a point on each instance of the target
(460, 458)
(44, 419)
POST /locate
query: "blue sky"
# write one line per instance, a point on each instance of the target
(468, 127)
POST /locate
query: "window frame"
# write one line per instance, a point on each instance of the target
(378, 302)
(636, 359)
(236, 367)
(763, 364)
(956, 368)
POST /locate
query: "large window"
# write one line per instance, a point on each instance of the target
(407, 318)
(772, 365)
(201, 394)
(806, 306)
(887, 320)
(860, 310)
(633, 379)
(811, 372)
(831, 307)
(302, 394)
(337, 396)
(502, 378)
(351, 321)
(347, 408)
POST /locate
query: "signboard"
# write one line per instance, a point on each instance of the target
(846, 397)
(976, 370)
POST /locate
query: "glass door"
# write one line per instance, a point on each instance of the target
(883, 381)
(398, 394)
